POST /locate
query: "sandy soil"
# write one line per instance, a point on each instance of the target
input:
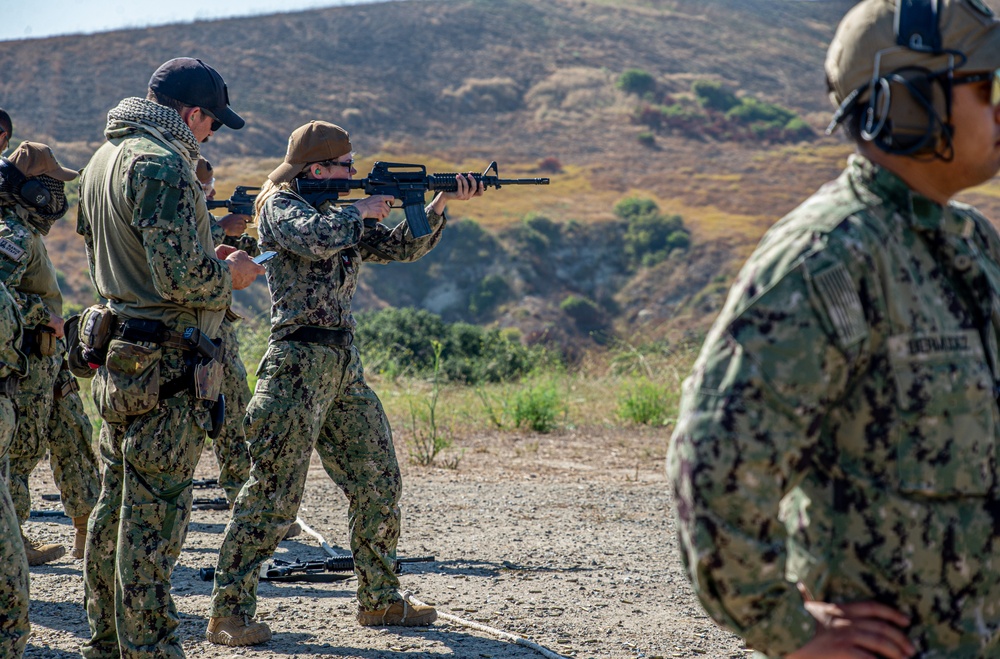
(563, 539)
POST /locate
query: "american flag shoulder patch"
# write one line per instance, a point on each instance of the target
(843, 305)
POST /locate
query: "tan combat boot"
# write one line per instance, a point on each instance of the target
(398, 614)
(40, 553)
(80, 539)
(237, 630)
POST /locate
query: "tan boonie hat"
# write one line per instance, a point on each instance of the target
(34, 159)
(315, 142)
(967, 26)
(203, 171)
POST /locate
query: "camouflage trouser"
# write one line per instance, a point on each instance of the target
(230, 447)
(13, 563)
(148, 464)
(59, 426)
(34, 400)
(310, 396)
(71, 453)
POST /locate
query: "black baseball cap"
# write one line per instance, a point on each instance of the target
(195, 83)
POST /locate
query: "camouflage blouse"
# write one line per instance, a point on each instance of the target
(840, 426)
(315, 274)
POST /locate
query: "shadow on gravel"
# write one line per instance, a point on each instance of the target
(202, 527)
(32, 651)
(64, 616)
(486, 568)
(76, 569)
(305, 590)
(452, 639)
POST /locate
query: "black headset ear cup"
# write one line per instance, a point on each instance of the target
(906, 110)
(35, 193)
(29, 190)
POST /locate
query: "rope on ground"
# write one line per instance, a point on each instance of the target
(499, 633)
(408, 596)
(310, 531)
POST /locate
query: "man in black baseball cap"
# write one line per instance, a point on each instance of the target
(196, 84)
(152, 257)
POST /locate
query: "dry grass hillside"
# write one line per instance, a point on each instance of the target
(521, 78)
(457, 83)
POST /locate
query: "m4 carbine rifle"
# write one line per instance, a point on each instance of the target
(406, 182)
(279, 570)
(240, 203)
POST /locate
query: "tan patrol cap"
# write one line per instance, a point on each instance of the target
(203, 171)
(315, 142)
(967, 26)
(34, 159)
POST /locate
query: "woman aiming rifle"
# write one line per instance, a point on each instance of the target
(311, 390)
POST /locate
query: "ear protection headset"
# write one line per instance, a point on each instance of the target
(905, 107)
(29, 190)
(909, 109)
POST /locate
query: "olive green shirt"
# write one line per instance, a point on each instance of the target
(149, 238)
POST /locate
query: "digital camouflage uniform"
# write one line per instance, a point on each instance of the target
(230, 446)
(840, 425)
(313, 395)
(71, 452)
(14, 599)
(149, 247)
(66, 433)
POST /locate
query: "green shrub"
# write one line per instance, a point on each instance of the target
(585, 313)
(503, 357)
(538, 406)
(636, 81)
(679, 240)
(492, 291)
(713, 95)
(646, 138)
(543, 225)
(798, 129)
(403, 333)
(680, 112)
(752, 110)
(253, 337)
(631, 209)
(397, 342)
(646, 403)
(650, 236)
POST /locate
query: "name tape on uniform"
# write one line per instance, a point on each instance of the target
(8, 248)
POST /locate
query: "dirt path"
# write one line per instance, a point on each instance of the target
(564, 539)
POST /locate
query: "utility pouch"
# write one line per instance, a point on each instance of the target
(96, 326)
(46, 340)
(65, 388)
(130, 382)
(77, 365)
(208, 380)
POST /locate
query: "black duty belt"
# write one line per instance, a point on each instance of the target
(324, 335)
(153, 331)
(8, 386)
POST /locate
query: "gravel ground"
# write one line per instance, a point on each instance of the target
(564, 539)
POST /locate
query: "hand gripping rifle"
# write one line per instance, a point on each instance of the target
(240, 203)
(404, 181)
